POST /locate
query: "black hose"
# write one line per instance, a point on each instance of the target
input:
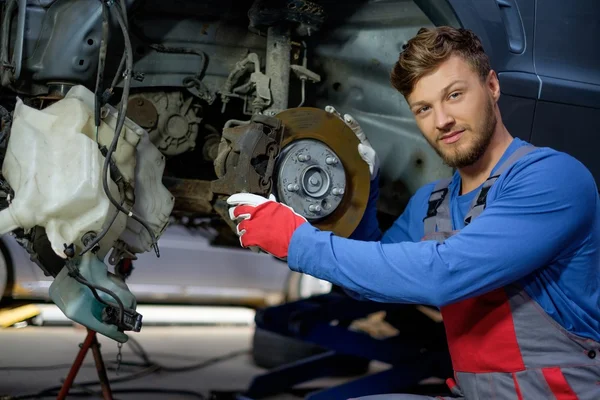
(101, 235)
(101, 64)
(94, 288)
(119, 72)
(123, 56)
(123, 6)
(119, 126)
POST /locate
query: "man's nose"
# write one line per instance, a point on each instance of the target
(443, 120)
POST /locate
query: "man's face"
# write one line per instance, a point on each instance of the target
(455, 111)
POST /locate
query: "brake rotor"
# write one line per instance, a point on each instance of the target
(319, 172)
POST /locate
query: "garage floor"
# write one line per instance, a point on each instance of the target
(51, 349)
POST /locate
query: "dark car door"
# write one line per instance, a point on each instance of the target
(547, 57)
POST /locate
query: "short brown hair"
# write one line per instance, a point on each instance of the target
(431, 47)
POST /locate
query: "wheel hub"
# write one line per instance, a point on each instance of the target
(319, 172)
(311, 179)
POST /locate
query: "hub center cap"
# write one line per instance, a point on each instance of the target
(310, 179)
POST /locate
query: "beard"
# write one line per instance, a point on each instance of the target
(457, 156)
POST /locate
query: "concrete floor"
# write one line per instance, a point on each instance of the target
(172, 346)
(56, 348)
(35, 358)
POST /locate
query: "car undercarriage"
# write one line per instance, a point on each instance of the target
(119, 118)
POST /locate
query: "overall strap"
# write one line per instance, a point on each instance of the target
(438, 209)
(479, 202)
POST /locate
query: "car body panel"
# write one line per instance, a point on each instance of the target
(545, 54)
(550, 83)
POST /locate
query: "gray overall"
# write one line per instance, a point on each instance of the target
(503, 345)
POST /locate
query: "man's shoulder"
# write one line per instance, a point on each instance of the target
(551, 177)
(546, 162)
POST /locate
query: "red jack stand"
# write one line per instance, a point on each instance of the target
(90, 341)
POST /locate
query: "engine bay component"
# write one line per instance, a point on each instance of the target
(171, 120)
(258, 83)
(321, 164)
(307, 15)
(247, 155)
(310, 179)
(54, 166)
(55, 169)
(277, 67)
(11, 69)
(89, 294)
(5, 123)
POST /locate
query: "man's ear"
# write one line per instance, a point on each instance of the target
(493, 85)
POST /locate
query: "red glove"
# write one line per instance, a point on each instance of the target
(266, 223)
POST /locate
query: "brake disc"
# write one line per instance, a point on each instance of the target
(319, 172)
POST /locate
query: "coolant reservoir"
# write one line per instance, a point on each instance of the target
(55, 171)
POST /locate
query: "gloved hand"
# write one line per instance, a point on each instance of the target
(265, 223)
(366, 151)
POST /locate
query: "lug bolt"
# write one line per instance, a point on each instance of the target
(293, 187)
(337, 192)
(331, 160)
(303, 157)
(314, 208)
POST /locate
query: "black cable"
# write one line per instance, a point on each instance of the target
(153, 368)
(106, 356)
(42, 367)
(101, 62)
(55, 389)
(123, 6)
(138, 350)
(119, 126)
(119, 73)
(101, 235)
(79, 278)
(207, 363)
(124, 55)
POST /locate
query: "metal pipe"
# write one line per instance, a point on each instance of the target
(303, 78)
(104, 382)
(278, 66)
(303, 90)
(64, 390)
(5, 67)
(18, 51)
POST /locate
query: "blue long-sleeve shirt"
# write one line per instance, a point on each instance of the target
(541, 228)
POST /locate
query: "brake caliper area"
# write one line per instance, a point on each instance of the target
(246, 160)
(306, 157)
(247, 155)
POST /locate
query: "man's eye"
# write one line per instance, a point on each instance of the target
(422, 109)
(455, 95)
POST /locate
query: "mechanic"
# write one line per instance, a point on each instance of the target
(508, 248)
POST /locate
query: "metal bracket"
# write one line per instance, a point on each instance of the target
(247, 157)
